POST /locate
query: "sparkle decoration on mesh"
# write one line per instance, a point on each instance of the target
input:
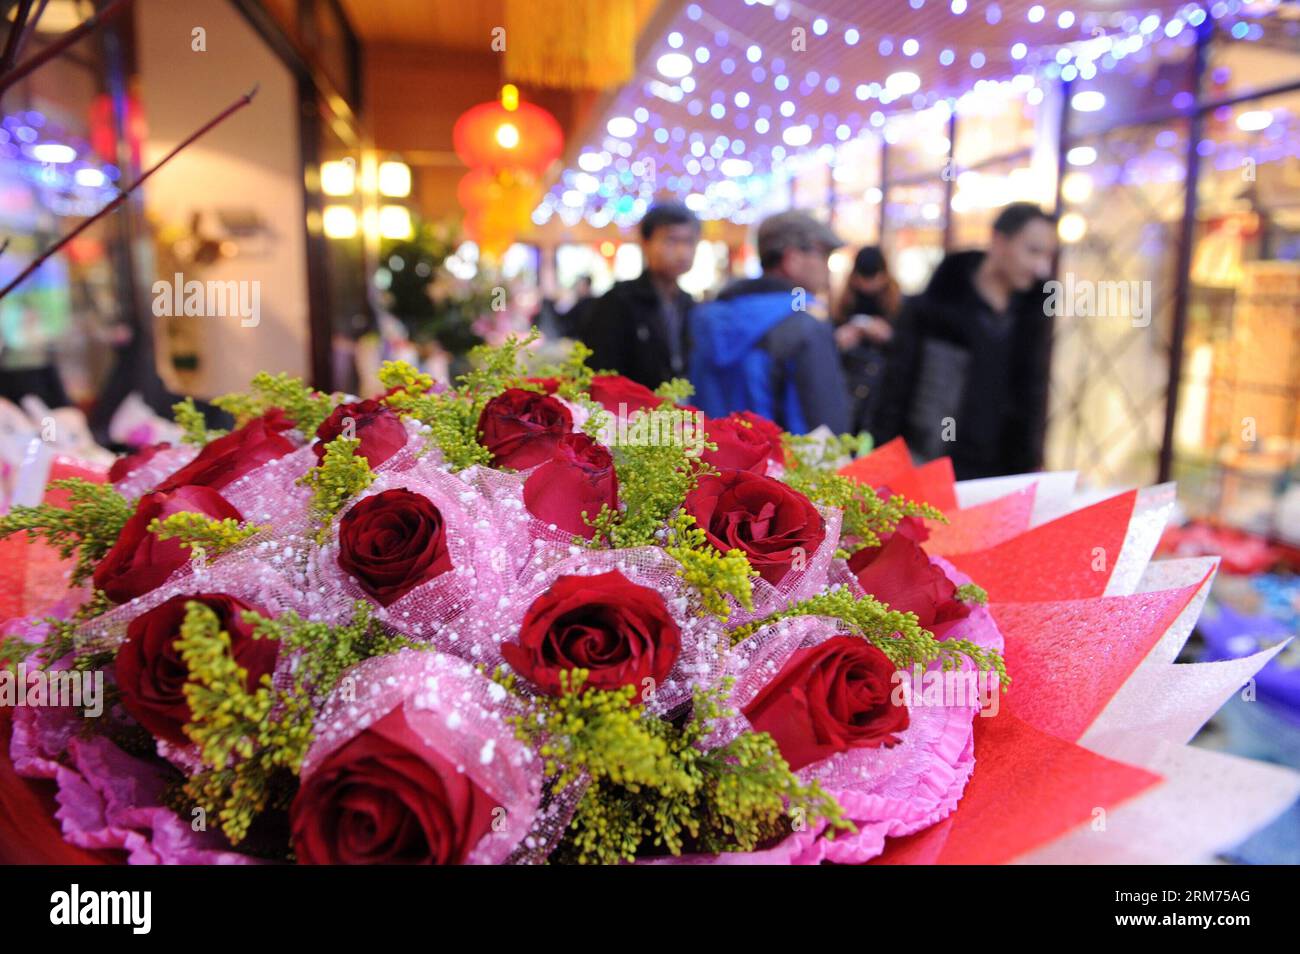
(396, 729)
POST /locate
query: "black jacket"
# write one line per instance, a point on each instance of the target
(966, 383)
(626, 332)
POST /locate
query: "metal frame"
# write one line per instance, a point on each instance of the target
(1183, 267)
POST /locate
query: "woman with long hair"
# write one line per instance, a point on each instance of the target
(864, 325)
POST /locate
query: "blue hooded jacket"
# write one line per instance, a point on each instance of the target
(748, 343)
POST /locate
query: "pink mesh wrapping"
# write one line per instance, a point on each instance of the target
(885, 792)
(503, 560)
(459, 714)
(797, 584)
(150, 474)
(703, 640)
(479, 564)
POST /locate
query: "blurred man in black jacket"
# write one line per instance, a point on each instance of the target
(639, 328)
(967, 375)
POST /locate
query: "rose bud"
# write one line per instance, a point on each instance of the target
(392, 542)
(769, 430)
(387, 797)
(740, 445)
(139, 562)
(522, 428)
(829, 698)
(620, 631)
(612, 390)
(375, 425)
(579, 478)
(124, 465)
(152, 675)
(901, 575)
(226, 459)
(773, 525)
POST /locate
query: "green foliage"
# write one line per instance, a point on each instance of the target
(827, 453)
(193, 423)
(340, 476)
(867, 517)
(898, 635)
(653, 787)
(653, 481)
(248, 738)
(325, 652)
(306, 407)
(204, 535)
(573, 373)
(676, 391)
(399, 374)
(495, 368)
(453, 425)
(88, 528)
(714, 574)
(973, 593)
(452, 416)
(60, 639)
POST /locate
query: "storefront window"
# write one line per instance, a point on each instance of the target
(1113, 313)
(995, 121)
(58, 163)
(1238, 428)
(915, 194)
(1251, 55)
(857, 190)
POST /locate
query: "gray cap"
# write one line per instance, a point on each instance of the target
(794, 229)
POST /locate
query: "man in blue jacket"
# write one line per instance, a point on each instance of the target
(759, 347)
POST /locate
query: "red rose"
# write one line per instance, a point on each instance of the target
(771, 524)
(123, 466)
(139, 561)
(619, 631)
(741, 446)
(548, 385)
(376, 425)
(386, 797)
(611, 390)
(152, 675)
(392, 542)
(521, 428)
(829, 698)
(768, 429)
(902, 576)
(228, 458)
(580, 477)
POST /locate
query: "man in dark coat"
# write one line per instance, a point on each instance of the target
(639, 327)
(968, 370)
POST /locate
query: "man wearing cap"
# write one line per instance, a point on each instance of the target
(760, 347)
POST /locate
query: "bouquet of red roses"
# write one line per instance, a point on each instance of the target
(540, 615)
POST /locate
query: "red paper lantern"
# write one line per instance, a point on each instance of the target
(490, 136)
